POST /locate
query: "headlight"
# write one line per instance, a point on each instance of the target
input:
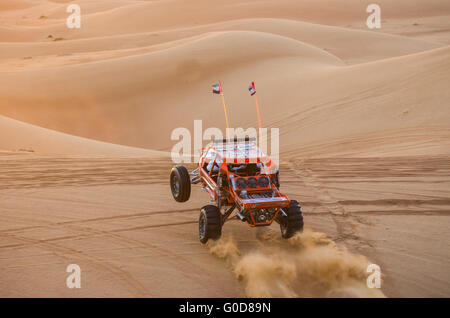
(241, 183)
(263, 182)
(252, 183)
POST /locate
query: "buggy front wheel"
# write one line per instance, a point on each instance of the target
(293, 221)
(180, 183)
(209, 223)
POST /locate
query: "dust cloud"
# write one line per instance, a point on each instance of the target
(306, 265)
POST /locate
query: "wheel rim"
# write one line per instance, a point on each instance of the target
(202, 226)
(283, 229)
(283, 225)
(175, 185)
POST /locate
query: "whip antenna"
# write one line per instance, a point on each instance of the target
(252, 91)
(217, 89)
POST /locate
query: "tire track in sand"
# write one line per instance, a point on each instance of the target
(134, 286)
(106, 218)
(345, 223)
(175, 259)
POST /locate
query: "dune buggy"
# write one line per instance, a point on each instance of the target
(237, 176)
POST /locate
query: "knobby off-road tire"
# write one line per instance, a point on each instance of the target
(276, 179)
(180, 183)
(209, 223)
(293, 222)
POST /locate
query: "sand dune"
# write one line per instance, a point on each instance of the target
(86, 113)
(337, 40)
(15, 5)
(26, 138)
(105, 91)
(130, 95)
(413, 106)
(139, 16)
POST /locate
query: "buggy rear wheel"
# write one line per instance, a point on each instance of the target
(209, 223)
(293, 221)
(180, 183)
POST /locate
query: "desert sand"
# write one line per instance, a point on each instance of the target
(86, 117)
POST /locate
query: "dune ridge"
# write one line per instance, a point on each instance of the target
(18, 136)
(334, 38)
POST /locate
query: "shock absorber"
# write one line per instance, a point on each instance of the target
(233, 182)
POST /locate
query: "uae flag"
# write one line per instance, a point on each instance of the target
(217, 89)
(252, 89)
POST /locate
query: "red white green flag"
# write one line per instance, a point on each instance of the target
(217, 88)
(252, 89)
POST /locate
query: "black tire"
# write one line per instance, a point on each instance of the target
(209, 223)
(293, 222)
(180, 183)
(276, 179)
